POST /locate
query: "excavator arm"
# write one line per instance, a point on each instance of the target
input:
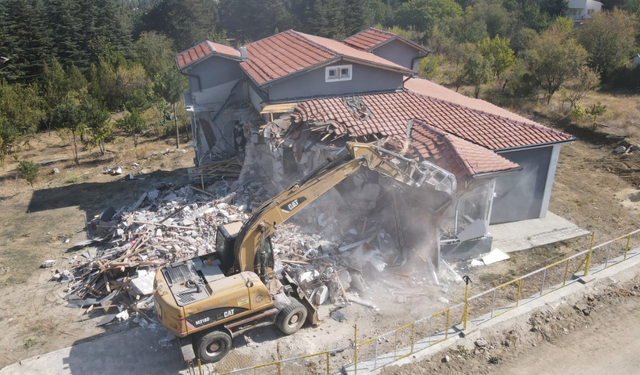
(345, 163)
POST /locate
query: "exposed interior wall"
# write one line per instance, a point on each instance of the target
(521, 195)
(214, 95)
(213, 71)
(257, 101)
(226, 137)
(398, 52)
(312, 84)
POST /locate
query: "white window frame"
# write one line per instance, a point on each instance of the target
(338, 69)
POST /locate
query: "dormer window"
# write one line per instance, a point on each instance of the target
(338, 73)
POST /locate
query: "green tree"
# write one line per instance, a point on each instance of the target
(423, 15)
(456, 56)
(64, 25)
(355, 16)
(25, 40)
(28, 170)
(632, 6)
(96, 119)
(586, 80)
(523, 39)
(326, 18)
(493, 15)
(170, 87)
(594, 111)
(565, 24)
(252, 20)
(186, 22)
(609, 38)
(54, 88)
(155, 53)
(477, 71)
(68, 115)
(133, 125)
(497, 52)
(553, 59)
(20, 107)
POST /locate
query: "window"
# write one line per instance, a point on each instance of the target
(338, 73)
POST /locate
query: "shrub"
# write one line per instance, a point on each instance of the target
(28, 170)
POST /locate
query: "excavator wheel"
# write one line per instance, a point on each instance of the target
(213, 346)
(291, 318)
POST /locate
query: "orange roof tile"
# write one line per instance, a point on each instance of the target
(203, 50)
(290, 52)
(391, 112)
(428, 88)
(460, 157)
(372, 38)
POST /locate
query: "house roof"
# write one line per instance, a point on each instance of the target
(372, 38)
(458, 156)
(427, 88)
(388, 114)
(203, 51)
(291, 52)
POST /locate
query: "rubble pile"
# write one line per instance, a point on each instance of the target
(164, 226)
(336, 249)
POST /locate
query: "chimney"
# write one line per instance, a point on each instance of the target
(243, 53)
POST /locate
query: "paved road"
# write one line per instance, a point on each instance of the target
(119, 354)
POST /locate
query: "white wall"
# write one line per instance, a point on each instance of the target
(582, 9)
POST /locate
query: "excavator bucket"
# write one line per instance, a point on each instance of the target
(412, 173)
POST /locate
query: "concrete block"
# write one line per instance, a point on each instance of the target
(143, 284)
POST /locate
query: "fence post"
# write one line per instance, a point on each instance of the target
(626, 250)
(328, 360)
(588, 262)
(355, 349)
(467, 280)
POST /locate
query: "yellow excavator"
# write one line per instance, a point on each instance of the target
(208, 300)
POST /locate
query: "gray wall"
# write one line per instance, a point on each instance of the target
(214, 71)
(310, 84)
(398, 52)
(520, 195)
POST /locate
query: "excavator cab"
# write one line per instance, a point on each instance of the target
(225, 243)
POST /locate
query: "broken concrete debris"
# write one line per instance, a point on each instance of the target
(332, 262)
(165, 225)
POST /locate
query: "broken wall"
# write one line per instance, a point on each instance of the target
(219, 126)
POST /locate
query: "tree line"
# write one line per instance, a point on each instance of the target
(67, 65)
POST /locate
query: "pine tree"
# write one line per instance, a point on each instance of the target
(186, 22)
(252, 20)
(26, 41)
(355, 13)
(63, 24)
(326, 18)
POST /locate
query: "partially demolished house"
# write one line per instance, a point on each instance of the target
(285, 103)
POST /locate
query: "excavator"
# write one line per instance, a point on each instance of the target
(208, 300)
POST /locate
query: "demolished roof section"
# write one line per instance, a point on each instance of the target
(204, 50)
(460, 157)
(388, 114)
(373, 38)
(290, 52)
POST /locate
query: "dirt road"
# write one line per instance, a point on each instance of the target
(609, 346)
(595, 334)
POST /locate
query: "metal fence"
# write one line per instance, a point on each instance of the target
(430, 330)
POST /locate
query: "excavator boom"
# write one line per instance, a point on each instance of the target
(345, 163)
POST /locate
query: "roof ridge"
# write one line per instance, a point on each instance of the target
(210, 45)
(301, 35)
(381, 31)
(484, 113)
